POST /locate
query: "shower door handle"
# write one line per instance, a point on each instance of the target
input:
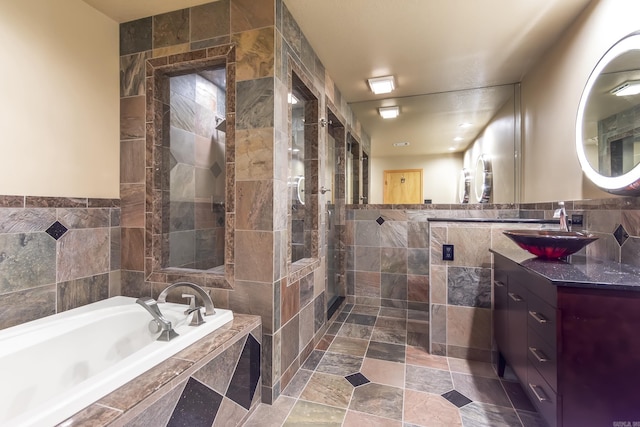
(324, 190)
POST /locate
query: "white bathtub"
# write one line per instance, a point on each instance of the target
(53, 367)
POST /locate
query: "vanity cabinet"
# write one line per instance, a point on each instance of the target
(574, 346)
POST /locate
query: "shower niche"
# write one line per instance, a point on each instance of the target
(192, 190)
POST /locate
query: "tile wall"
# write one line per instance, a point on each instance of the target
(266, 46)
(56, 254)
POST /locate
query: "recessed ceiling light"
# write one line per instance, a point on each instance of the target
(452, 148)
(628, 88)
(389, 112)
(401, 144)
(380, 85)
(465, 125)
(458, 138)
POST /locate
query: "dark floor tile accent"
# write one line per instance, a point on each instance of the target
(197, 406)
(457, 398)
(386, 351)
(56, 230)
(357, 379)
(361, 319)
(245, 378)
(341, 317)
(380, 220)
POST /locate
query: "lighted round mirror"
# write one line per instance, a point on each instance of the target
(483, 179)
(608, 120)
(464, 186)
(300, 189)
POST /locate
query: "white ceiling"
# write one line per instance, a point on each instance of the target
(429, 46)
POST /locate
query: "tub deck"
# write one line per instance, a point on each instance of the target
(134, 398)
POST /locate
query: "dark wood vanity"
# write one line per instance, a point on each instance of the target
(570, 331)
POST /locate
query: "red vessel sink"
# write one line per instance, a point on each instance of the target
(550, 244)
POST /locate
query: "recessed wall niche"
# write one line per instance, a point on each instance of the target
(190, 133)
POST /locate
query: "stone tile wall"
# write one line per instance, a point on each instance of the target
(266, 45)
(56, 254)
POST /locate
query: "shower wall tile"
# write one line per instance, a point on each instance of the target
(25, 220)
(254, 268)
(253, 298)
(254, 201)
(250, 14)
(135, 36)
(84, 218)
(255, 104)
(210, 21)
(171, 28)
(132, 74)
(132, 117)
(132, 248)
(255, 54)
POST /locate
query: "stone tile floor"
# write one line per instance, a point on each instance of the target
(362, 373)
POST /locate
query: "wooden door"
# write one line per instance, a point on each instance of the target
(403, 187)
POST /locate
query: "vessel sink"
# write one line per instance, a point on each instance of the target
(550, 244)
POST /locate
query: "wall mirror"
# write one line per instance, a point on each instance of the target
(445, 132)
(189, 106)
(608, 120)
(464, 186)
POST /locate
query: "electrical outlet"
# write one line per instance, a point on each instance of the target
(576, 219)
(447, 252)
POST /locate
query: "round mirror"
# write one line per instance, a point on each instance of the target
(300, 189)
(464, 186)
(483, 179)
(608, 120)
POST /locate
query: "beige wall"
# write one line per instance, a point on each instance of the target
(60, 107)
(440, 175)
(550, 96)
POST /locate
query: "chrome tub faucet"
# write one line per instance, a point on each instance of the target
(159, 322)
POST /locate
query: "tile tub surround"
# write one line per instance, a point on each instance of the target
(215, 381)
(56, 254)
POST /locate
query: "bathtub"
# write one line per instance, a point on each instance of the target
(53, 367)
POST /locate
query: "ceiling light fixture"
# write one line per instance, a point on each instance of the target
(458, 138)
(389, 112)
(400, 144)
(380, 85)
(628, 88)
(465, 125)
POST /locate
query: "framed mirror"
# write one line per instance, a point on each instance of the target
(608, 120)
(483, 179)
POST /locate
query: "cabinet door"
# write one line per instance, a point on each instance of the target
(516, 349)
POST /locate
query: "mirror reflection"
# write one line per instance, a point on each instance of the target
(611, 125)
(441, 133)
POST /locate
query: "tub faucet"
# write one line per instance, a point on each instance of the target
(206, 298)
(159, 322)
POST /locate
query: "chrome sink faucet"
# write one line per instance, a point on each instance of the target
(562, 214)
(206, 298)
(159, 322)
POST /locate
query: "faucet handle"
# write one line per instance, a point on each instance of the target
(192, 302)
(196, 319)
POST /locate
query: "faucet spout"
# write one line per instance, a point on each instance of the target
(561, 213)
(206, 298)
(164, 326)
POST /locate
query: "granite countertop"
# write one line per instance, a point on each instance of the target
(577, 270)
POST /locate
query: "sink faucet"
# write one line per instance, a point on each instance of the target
(159, 322)
(562, 214)
(206, 298)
